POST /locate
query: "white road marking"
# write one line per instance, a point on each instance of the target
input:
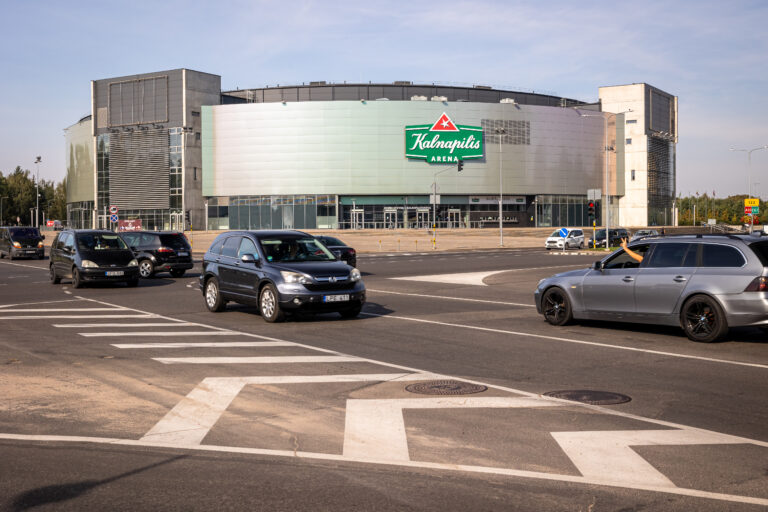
(258, 360)
(482, 470)
(158, 324)
(211, 344)
(43, 310)
(131, 334)
(606, 455)
(568, 340)
(36, 303)
(22, 265)
(472, 278)
(454, 298)
(375, 429)
(191, 419)
(89, 317)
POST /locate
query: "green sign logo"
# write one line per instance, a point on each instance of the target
(444, 141)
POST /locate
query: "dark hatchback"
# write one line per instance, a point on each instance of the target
(86, 255)
(339, 249)
(279, 271)
(21, 242)
(160, 251)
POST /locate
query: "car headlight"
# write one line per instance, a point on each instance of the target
(133, 263)
(39, 245)
(354, 275)
(88, 264)
(295, 277)
(17, 245)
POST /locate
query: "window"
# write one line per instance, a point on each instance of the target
(624, 260)
(231, 246)
(761, 249)
(631, 121)
(247, 247)
(633, 175)
(194, 173)
(669, 255)
(197, 136)
(195, 113)
(216, 247)
(629, 141)
(714, 255)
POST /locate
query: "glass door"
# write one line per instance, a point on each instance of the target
(357, 218)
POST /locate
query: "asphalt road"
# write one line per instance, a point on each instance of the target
(141, 399)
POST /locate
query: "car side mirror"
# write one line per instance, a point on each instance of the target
(42, 237)
(598, 265)
(250, 258)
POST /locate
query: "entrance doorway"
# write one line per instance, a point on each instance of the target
(422, 218)
(357, 218)
(177, 221)
(454, 218)
(390, 218)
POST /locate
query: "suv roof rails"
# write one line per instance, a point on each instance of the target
(700, 235)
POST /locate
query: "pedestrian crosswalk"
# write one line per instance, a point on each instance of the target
(374, 427)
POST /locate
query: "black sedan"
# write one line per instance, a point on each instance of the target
(341, 250)
(279, 271)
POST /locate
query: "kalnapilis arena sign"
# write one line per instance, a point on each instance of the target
(444, 141)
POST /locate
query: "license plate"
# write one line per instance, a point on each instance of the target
(336, 298)
(183, 254)
(111, 273)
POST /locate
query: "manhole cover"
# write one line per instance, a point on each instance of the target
(587, 396)
(445, 387)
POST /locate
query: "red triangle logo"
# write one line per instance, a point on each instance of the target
(444, 124)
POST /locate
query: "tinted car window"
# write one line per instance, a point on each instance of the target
(291, 248)
(329, 240)
(714, 255)
(668, 255)
(231, 246)
(761, 249)
(100, 242)
(624, 260)
(130, 238)
(247, 247)
(216, 247)
(24, 233)
(174, 241)
(68, 241)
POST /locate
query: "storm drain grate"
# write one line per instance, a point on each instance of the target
(445, 387)
(587, 396)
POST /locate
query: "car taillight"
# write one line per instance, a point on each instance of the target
(166, 250)
(759, 284)
(352, 251)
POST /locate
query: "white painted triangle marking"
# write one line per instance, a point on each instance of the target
(472, 278)
(131, 334)
(226, 344)
(257, 360)
(606, 455)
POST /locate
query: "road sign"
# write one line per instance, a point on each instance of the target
(113, 209)
(593, 194)
(755, 210)
(747, 210)
(563, 232)
(752, 202)
(113, 218)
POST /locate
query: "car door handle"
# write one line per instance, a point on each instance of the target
(628, 279)
(680, 279)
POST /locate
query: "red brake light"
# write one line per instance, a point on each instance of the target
(351, 251)
(165, 250)
(759, 284)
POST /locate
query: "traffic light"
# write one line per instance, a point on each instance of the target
(461, 165)
(591, 210)
(186, 216)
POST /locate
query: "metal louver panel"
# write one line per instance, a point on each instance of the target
(138, 169)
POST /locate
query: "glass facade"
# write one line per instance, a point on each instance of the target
(102, 174)
(176, 186)
(272, 212)
(661, 181)
(80, 215)
(564, 211)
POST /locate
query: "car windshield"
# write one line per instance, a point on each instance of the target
(100, 242)
(24, 233)
(600, 233)
(174, 241)
(556, 234)
(291, 249)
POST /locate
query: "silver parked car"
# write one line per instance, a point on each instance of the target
(703, 283)
(574, 238)
(644, 233)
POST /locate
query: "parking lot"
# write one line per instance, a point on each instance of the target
(315, 412)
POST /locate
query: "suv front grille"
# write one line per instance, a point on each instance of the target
(328, 287)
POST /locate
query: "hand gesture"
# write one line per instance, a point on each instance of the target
(624, 243)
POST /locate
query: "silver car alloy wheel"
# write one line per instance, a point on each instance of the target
(211, 294)
(145, 268)
(267, 303)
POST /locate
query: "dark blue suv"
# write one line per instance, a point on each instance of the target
(279, 271)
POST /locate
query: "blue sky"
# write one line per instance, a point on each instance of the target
(712, 55)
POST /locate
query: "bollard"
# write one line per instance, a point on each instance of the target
(379, 245)
(398, 245)
(417, 244)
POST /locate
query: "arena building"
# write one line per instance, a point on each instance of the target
(170, 150)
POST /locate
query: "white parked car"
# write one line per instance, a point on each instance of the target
(570, 238)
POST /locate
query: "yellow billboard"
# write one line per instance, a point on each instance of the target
(752, 202)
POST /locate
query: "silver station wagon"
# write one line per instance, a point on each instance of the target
(703, 283)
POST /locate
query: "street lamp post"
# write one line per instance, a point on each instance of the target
(37, 192)
(500, 132)
(606, 195)
(749, 173)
